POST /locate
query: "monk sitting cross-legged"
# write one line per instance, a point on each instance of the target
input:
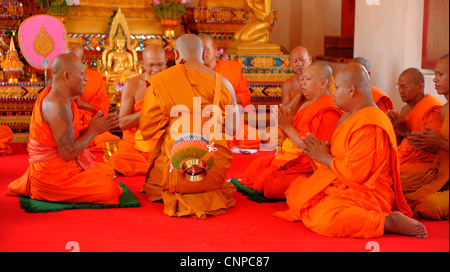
(60, 168)
(94, 99)
(247, 137)
(131, 157)
(419, 112)
(183, 88)
(427, 191)
(356, 191)
(272, 175)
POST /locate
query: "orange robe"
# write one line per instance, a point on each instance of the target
(426, 113)
(128, 160)
(427, 191)
(272, 175)
(96, 95)
(50, 178)
(382, 100)
(211, 196)
(6, 136)
(362, 187)
(247, 136)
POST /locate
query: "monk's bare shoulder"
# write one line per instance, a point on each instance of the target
(135, 87)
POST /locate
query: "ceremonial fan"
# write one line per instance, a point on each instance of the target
(41, 39)
(193, 155)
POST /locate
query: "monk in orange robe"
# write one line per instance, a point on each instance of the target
(187, 87)
(60, 168)
(94, 99)
(248, 137)
(131, 157)
(272, 175)
(380, 98)
(427, 191)
(6, 136)
(356, 191)
(419, 112)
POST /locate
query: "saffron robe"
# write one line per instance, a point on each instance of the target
(127, 159)
(272, 175)
(382, 100)
(6, 136)
(96, 95)
(427, 191)
(51, 178)
(425, 113)
(247, 136)
(362, 187)
(211, 196)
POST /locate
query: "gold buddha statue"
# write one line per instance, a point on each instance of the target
(119, 57)
(258, 30)
(120, 60)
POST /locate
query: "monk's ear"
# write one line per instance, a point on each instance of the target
(66, 76)
(351, 90)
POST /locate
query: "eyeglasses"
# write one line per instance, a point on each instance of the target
(403, 87)
(159, 66)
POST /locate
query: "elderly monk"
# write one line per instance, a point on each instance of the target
(6, 136)
(427, 191)
(272, 175)
(419, 112)
(380, 98)
(61, 169)
(291, 95)
(247, 137)
(188, 87)
(94, 99)
(356, 192)
(131, 157)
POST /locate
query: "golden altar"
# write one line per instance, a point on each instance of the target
(91, 23)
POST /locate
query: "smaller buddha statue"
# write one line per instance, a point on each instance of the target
(119, 60)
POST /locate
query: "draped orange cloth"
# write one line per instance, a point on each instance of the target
(362, 187)
(50, 178)
(427, 190)
(425, 113)
(382, 100)
(211, 196)
(96, 95)
(247, 136)
(128, 160)
(272, 175)
(6, 136)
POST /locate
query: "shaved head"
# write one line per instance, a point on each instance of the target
(153, 50)
(353, 90)
(361, 61)
(154, 59)
(316, 80)
(76, 49)
(441, 77)
(189, 46)
(299, 59)
(63, 63)
(415, 75)
(210, 50)
(323, 71)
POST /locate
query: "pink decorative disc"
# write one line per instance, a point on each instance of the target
(41, 39)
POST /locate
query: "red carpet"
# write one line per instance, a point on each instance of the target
(247, 227)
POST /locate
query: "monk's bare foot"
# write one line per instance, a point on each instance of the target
(399, 223)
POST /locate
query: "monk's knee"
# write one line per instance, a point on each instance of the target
(434, 206)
